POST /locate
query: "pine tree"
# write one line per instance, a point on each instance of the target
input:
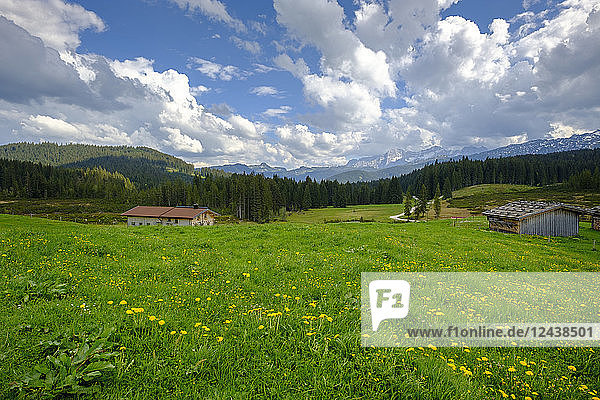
(422, 204)
(408, 204)
(437, 204)
(306, 198)
(447, 189)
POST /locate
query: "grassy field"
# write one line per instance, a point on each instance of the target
(262, 311)
(87, 211)
(369, 213)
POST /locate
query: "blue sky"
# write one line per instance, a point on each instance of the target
(292, 83)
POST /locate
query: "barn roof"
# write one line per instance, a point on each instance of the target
(167, 212)
(595, 211)
(524, 209)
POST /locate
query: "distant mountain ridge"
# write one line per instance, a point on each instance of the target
(590, 140)
(396, 157)
(396, 162)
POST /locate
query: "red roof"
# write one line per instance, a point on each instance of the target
(146, 211)
(166, 212)
(183, 212)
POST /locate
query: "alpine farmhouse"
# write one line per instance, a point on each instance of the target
(172, 216)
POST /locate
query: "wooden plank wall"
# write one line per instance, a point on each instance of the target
(503, 225)
(552, 223)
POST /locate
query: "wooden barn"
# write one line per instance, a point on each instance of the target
(177, 216)
(595, 213)
(535, 218)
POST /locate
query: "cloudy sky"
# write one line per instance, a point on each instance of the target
(297, 82)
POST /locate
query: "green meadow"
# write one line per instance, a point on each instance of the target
(258, 311)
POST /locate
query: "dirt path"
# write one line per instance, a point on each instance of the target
(397, 217)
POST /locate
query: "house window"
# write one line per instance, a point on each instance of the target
(176, 221)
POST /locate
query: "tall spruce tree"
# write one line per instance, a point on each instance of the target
(422, 204)
(447, 189)
(408, 204)
(437, 204)
(306, 198)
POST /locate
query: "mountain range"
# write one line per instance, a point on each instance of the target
(145, 166)
(396, 162)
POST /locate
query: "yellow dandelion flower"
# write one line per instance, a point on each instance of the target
(110, 302)
(197, 298)
(173, 332)
(219, 338)
(261, 327)
(183, 332)
(572, 368)
(512, 369)
(208, 298)
(197, 324)
(530, 373)
(122, 302)
(310, 333)
(523, 363)
(129, 312)
(161, 322)
(152, 318)
(122, 348)
(488, 373)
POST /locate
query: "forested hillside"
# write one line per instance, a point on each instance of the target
(142, 165)
(580, 169)
(27, 180)
(258, 198)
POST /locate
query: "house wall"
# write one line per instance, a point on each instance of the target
(552, 223)
(139, 221)
(596, 223)
(205, 218)
(208, 218)
(180, 222)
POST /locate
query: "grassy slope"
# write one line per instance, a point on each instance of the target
(316, 267)
(377, 212)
